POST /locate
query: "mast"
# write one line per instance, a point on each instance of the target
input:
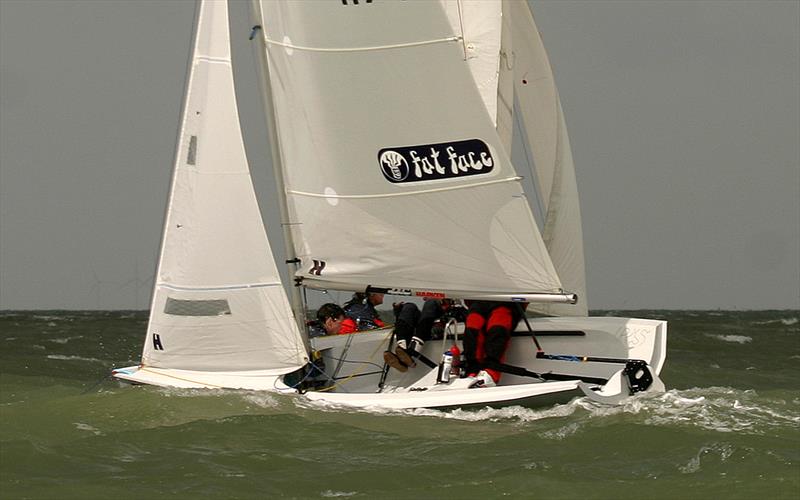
(277, 162)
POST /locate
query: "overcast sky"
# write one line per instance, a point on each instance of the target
(684, 119)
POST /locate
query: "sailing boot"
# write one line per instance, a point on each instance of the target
(393, 360)
(405, 343)
(408, 353)
(482, 379)
(400, 360)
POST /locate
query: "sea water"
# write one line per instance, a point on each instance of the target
(727, 427)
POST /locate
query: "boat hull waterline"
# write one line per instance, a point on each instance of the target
(356, 382)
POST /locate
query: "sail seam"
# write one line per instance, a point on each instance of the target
(216, 288)
(407, 193)
(362, 49)
(200, 171)
(212, 59)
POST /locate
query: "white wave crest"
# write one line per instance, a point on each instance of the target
(738, 339)
(47, 317)
(336, 494)
(720, 409)
(62, 357)
(187, 392)
(261, 399)
(65, 339)
(784, 321)
(86, 427)
(694, 464)
(486, 414)
(508, 413)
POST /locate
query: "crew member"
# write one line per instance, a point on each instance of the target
(361, 314)
(486, 336)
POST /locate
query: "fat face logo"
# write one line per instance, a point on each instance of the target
(394, 165)
(435, 161)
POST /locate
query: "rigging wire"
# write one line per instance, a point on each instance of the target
(461, 24)
(358, 373)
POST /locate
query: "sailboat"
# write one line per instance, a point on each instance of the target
(392, 125)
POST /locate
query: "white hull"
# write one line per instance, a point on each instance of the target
(356, 381)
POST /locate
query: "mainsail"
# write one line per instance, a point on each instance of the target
(218, 303)
(395, 174)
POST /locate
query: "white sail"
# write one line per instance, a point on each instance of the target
(218, 303)
(478, 22)
(545, 136)
(395, 174)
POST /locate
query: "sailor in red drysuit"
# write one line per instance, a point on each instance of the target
(486, 337)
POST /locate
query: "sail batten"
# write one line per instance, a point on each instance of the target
(449, 39)
(406, 193)
(172, 286)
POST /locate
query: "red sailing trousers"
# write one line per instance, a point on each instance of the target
(493, 332)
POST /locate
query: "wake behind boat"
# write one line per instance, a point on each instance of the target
(391, 126)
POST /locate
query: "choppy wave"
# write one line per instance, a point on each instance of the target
(724, 451)
(261, 399)
(719, 409)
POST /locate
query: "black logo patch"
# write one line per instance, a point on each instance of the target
(435, 161)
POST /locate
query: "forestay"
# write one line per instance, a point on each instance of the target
(394, 171)
(218, 300)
